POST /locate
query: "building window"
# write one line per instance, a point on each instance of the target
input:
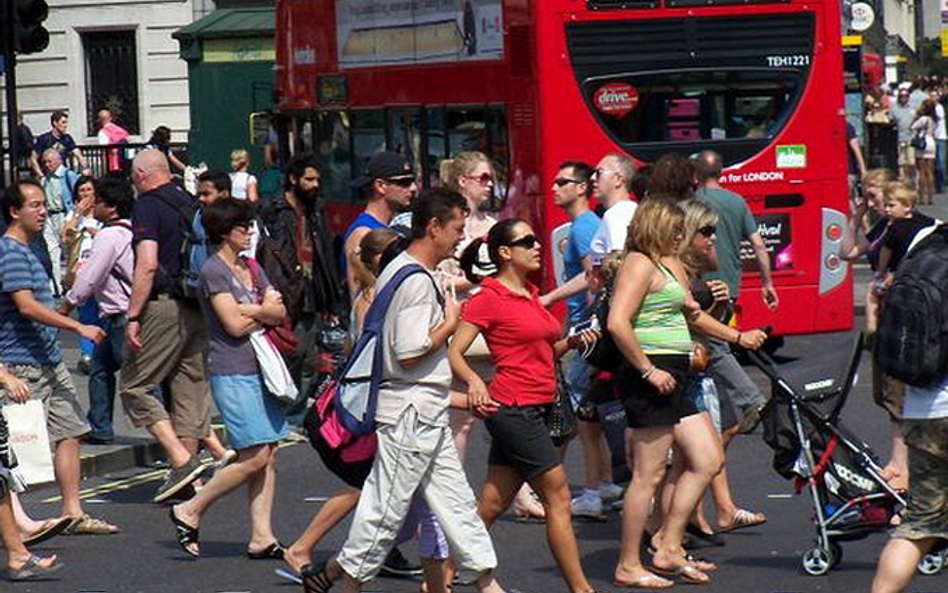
(111, 64)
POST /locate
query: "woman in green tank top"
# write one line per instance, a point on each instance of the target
(649, 320)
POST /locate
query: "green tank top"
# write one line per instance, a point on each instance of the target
(660, 325)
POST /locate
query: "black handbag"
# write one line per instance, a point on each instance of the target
(603, 354)
(918, 140)
(562, 421)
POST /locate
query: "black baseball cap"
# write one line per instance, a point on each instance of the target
(383, 166)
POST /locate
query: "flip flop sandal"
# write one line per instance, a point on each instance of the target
(274, 551)
(32, 569)
(742, 520)
(711, 538)
(686, 574)
(49, 530)
(315, 580)
(702, 564)
(185, 534)
(650, 581)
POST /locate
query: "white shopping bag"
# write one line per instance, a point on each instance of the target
(276, 376)
(30, 441)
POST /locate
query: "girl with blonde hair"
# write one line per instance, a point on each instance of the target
(243, 184)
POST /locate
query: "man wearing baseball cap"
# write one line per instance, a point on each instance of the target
(388, 183)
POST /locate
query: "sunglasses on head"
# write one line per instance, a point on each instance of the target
(527, 242)
(483, 178)
(400, 181)
(709, 230)
(564, 181)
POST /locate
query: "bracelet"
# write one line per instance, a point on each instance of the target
(648, 372)
(132, 320)
(737, 342)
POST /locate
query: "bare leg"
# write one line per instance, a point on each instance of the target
(249, 462)
(649, 449)
(164, 433)
(260, 492)
(897, 564)
(66, 464)
(554, 491)
(214, 445)
(436, 575)
(499, 490)
(696, 438)
(332, 512)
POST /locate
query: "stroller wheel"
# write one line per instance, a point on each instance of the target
(931, 563)
(817, 561)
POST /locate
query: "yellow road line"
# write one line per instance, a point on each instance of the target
(132, 481)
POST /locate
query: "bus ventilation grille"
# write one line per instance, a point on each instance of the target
(605, 45)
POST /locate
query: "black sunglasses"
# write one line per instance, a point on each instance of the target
(400, 181)
(527, 242)
(709, 230)
(562, 181)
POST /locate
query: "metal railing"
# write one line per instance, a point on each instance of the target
(116, 159)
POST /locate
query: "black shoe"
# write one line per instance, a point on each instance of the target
(94, 440)
(396, 565)
(751, 419)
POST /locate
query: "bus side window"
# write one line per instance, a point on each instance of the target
(335, 154)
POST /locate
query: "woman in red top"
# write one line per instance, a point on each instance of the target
(524, 341)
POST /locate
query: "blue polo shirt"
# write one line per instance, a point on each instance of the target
(580, 237)
(23, 341)
(362, 220)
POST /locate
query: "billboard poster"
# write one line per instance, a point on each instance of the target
(774, 229)
(385, 32)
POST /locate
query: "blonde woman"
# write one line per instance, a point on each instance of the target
(649, 319)
(243, 184)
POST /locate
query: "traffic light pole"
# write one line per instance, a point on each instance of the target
(9, 55)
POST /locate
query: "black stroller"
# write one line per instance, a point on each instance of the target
(851, 499)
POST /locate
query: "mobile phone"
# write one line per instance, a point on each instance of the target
(591, 324)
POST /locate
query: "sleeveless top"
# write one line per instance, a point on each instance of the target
(660, 325)
(239, 180)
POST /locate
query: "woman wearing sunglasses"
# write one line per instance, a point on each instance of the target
(472, 175)
(524, 340)
(651, 313)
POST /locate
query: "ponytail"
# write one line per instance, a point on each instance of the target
(475, 262)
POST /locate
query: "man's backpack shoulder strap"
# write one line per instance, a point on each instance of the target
(383, 299)
(187, 213)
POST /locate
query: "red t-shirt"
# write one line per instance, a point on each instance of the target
(520, 334)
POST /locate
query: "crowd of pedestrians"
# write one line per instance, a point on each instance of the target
(172, 291)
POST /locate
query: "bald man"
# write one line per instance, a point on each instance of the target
(165, 332)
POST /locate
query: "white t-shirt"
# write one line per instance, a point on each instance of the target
(239, 180)
(941, 130)
(612, 230)
(412, 314)
(926, 404)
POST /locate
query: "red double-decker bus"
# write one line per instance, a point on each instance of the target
(532, 83)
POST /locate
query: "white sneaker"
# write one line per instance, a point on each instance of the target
(587, 504)
(610, 492)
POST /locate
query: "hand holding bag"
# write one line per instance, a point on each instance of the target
(562, 418)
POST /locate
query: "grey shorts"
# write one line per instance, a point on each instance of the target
(926, 514)
(52, 385)
(735, 388)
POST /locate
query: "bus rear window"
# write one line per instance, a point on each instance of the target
(699, 108)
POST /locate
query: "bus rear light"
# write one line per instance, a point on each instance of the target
(832, 261)
(834, 232)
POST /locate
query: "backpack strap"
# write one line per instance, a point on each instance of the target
(114, 271)
(379, 307)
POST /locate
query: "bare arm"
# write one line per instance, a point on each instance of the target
(35, 166)
(252, 194)
(857, 154)
(768, 292)
(885, 259)
(854, 243)
(439, 335)
(632, 284)
(143, 279)
(235, 320)
(478, 397)
(270, 312)
(29, 307)
(350, 248)
(575, 285)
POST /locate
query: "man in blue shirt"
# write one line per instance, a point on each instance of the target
(572, 189)
(389, 184)
(56, 138)
(29, 347)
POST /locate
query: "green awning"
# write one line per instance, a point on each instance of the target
(231, 22)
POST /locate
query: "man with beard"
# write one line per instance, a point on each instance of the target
(296, 252)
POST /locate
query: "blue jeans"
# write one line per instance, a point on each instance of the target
(106, 361)
(941, 164)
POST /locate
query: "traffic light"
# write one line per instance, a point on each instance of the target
(29, 35)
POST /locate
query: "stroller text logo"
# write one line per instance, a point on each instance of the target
(853, 478)
(819, 384)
